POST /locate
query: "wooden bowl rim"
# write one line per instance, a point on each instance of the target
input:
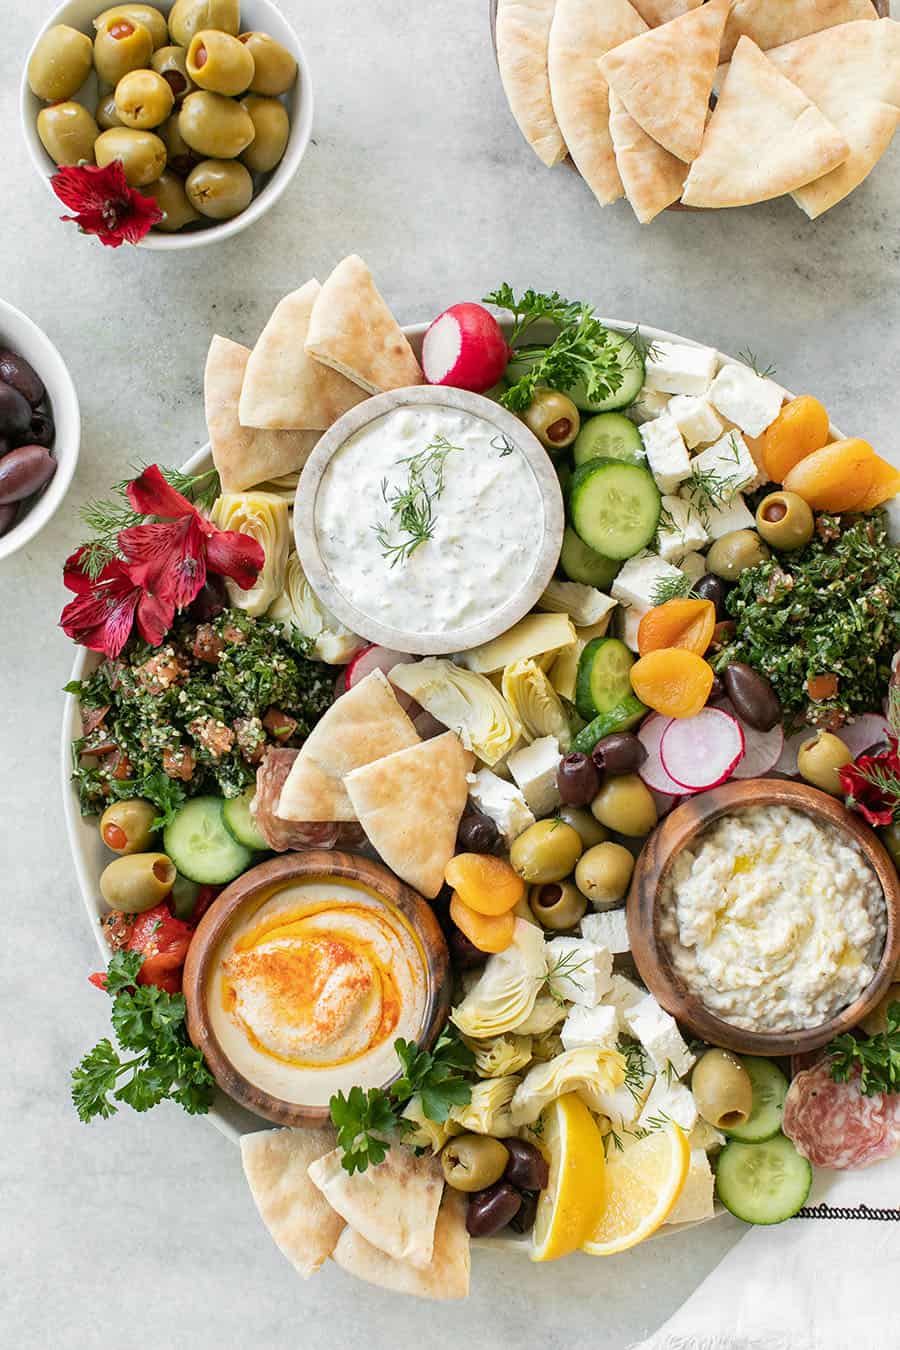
(318, 863)
(652, 871)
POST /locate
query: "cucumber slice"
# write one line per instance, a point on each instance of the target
(631, 365)
(769, 1091)
(763, 1183)
(581, 563)
(608, 436)
(240, 822)
(602, 681)
(201, 847)
(614, 507)
(622, 717)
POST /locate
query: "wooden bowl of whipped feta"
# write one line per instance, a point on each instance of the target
(765, 917)
(301, 976)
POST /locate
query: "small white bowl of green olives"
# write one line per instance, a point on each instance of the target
(207, 103)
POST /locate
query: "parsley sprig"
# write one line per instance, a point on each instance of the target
(150, 1022)
(877, 1059)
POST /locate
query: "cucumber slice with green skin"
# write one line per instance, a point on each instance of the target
(763, 1183)
(240, 822)
(608, 436)
(769, 1091)
(602, 681)
(581, 563)
(201, 847)
(631, 366)
(614, 507)
(622, 717)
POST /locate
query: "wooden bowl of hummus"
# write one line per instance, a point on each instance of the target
(302, 975)
(765, 917)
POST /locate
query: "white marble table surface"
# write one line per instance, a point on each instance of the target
(141, 1232)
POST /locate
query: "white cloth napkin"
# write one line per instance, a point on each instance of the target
(828, 1279)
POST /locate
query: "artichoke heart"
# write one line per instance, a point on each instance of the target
(546, 1014)
(546, 1046)
(589, 1071)
(465, 702)
(501, 1055)
(585, 605)
(536, 703)
(299, 607)
(427, 1133)
(488, 1111)
(266, 519)
(505, 993)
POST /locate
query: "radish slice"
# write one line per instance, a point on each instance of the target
(866, 731)
(465, 348)
(426, 725)
(650, 733)
(340, 685)
(703, 751)
(762, 749)
(380, 658)
(665, 802)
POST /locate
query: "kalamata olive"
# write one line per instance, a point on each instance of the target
(472, 1162)
(753, 697)
(716, 691)
(492, 1209)
(15, 370)
(42, 430)
(523, 1221)
(621, 752)
(463, 953)
(210, 601)
(5, 446)
(24, 472)
(477, 833)
(713, 588)
(577, 780)
(527, 1167)
(7, 516)
(15, 412)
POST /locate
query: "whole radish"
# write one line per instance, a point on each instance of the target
(465, 348)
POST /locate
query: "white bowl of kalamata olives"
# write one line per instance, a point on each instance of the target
(40, 429)
(208, 105)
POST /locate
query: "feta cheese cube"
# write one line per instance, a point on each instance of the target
(695, 1202)
(658, 1034)
(670, 1101)
(534, 769)
(624, 1104)
(696, 419)
(628, 625)
(746, 399)
(705, 1136)
(591, 1026)
(609, 929)
(693, 565)
(728, 467)
(623, 993)
(637, 581)
(675, 368)
(723, 519)
(667, 453)
(680, 530)
(502, 801)
(578, 970)
(648, 404)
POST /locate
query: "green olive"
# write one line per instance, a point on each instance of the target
(875, 1021)
(604, 873)
(143, 99)
(275, 67)
(819, 759)
(170, 196)
(553, 418)
(137, 882)
(143, 154)
(127, 826)
(557, 905)
(625, 805)
(171, 64)
(60, 63)
(546, 851)
(785, 521)
(219, 188)
(119, 47)
(590, 830)
(148, 15)
(273, 127)
(67, 133)
(188, 17)
(734, 553)
(219, 62)
(890, 837)
(106, 115)
(473, 1161)
(215, 126)
(722, 1090)
(181, 157)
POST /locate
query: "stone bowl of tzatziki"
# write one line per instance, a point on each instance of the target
(765, 917)
(429, 520)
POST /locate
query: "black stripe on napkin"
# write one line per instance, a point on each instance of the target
(857, 1212)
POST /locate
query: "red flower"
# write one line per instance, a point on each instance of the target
(104, 610)
(872, 785)
(104, 204)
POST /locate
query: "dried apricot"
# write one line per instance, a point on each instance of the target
(799, 429)
(885, 485)
(487, 885)
(672, 681)
(678, 623)
(836, 478)
(487, 932)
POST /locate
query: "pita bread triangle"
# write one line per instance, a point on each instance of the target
(665, 77)
(653, 178)
(364, 724)
(299, 1218)
(522, 32)
(244, 456)
(771, 25)
(410, 805)
(655, 12)
(352, 330)
(283, 388)
(582, 32)
(765, 137)
(446, 1277)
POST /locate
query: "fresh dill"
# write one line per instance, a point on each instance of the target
(565, 968)
(672, 588)
(611, 1137)
(503, 444)
(412, 505)
(711, 490)
(651, 1125)
(750, 359)
(635, 1066)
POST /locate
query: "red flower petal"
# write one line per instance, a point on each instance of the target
(104, 204)
(74, 579)
(102, 620)
(234, 555)
(151, 495)
(171, 555)
(154, 617)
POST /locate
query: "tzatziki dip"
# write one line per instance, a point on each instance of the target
(429, 519)
(773, 920)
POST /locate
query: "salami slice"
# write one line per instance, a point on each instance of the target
(834, 1125)
(282, 835)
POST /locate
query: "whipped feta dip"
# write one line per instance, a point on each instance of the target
(486, 520)
(773, 920)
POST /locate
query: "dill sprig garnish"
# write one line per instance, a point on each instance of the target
(750, 359)
(672, 588)
(709, 489)
(564, 968)
(105, 518)
(412, 505)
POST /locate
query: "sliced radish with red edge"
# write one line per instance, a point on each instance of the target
(762, 749)
(650, 733)
(787, 760)
(703, 751)
(426, 725)
(383, 659)
(465, 348)
(868, 730)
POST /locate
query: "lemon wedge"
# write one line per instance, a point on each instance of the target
(643, 1183)
(571, 1206)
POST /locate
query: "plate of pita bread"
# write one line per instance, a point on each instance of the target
(704, 103)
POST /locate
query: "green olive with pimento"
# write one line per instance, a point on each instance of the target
(127, 826)
(553, 418)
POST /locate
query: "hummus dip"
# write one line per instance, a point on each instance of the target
(311, 986)
(774, 921)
